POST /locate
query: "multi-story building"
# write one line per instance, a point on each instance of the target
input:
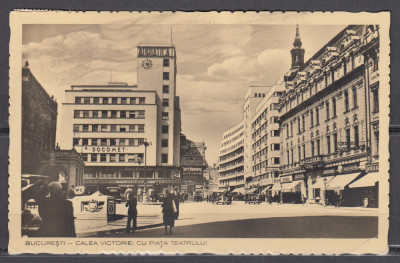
(193, 163)
(40, 156)
(327, 119)
(128, 136)
(266, 140)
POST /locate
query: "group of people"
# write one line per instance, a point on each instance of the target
(170, 210)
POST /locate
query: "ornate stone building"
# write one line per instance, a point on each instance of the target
(329, 120)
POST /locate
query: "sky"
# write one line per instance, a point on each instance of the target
(216, 63)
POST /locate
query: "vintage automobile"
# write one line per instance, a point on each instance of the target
(198, 197)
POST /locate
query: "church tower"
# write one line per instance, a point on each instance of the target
(297, 51)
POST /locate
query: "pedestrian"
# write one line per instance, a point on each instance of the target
(71, 192)
(176, 200)
(131, 203)
(57, 213)
(207, 198)
(169, 213)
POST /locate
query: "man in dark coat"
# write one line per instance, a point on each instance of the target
(57, 214)
(131, 203)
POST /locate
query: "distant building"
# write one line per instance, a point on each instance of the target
(129, 136)
(193, 164)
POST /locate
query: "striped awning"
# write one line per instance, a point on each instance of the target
(341, 181)
(367, 180)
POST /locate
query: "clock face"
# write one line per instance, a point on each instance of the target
(147, 63)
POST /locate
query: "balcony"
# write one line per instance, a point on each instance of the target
(311, 163)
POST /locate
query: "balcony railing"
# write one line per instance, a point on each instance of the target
(312, 162)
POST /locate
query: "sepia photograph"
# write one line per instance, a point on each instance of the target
(163, 126)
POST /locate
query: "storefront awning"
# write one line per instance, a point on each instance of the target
(293, 186)
(276, 187)
(239, 190)
(266, 189)
(320, 182)
(341, 181)
(252, 190)
(367, 180)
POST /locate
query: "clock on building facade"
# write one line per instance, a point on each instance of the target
(147, 63)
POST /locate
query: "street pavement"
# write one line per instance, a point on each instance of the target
(239, 220)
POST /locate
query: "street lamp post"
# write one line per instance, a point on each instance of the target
(146, 144)
(281, 196)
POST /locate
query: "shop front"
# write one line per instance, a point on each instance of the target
(364, 191)
(337, 193)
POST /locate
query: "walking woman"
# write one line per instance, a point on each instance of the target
(131, 203)
(169, 210)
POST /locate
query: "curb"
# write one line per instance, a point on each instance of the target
(116, 230)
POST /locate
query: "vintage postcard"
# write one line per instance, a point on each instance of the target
(160, 132)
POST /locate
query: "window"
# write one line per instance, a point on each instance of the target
(165, 75)
(103, 142)
(95, 114)
(113, 157)
(165, 116)
(335, 143)
(318, 147)
(165, 89)
(75, 141)
(113, 142)
(317, 115)
(276, 146)
(122, 158)
(104, 114)
(105, 100)
(86, 100)
(291, 129)
(275, 133)
(133, 101)
(124, 100)
(348, 142)
(298, 125)
(164, 129)
(122, 142)
(76, 127)
(288, 160)
(104, 127)
(164, 143)
(303, 122)
(346, 100)
(291, 153)
(299, 152)
(95, 142)
(113, 114)
(334, 107)
(96, 100)
(312, 149)
(328, 144)
(327, 110)
(85, 128)
(78, 100)
(122, 114)
(356, 137)
(376, 100)
(103, 157)
(304, 151)
(95, 128)
(114, 100)
(140, 128)
(276, 160)
(354, 97)
(165, 62)
(142, 100)
(287, 131)
(165, 103)
(311, 118)
(93, 157)
(141, 114)
(85, 114)
(164, 158)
